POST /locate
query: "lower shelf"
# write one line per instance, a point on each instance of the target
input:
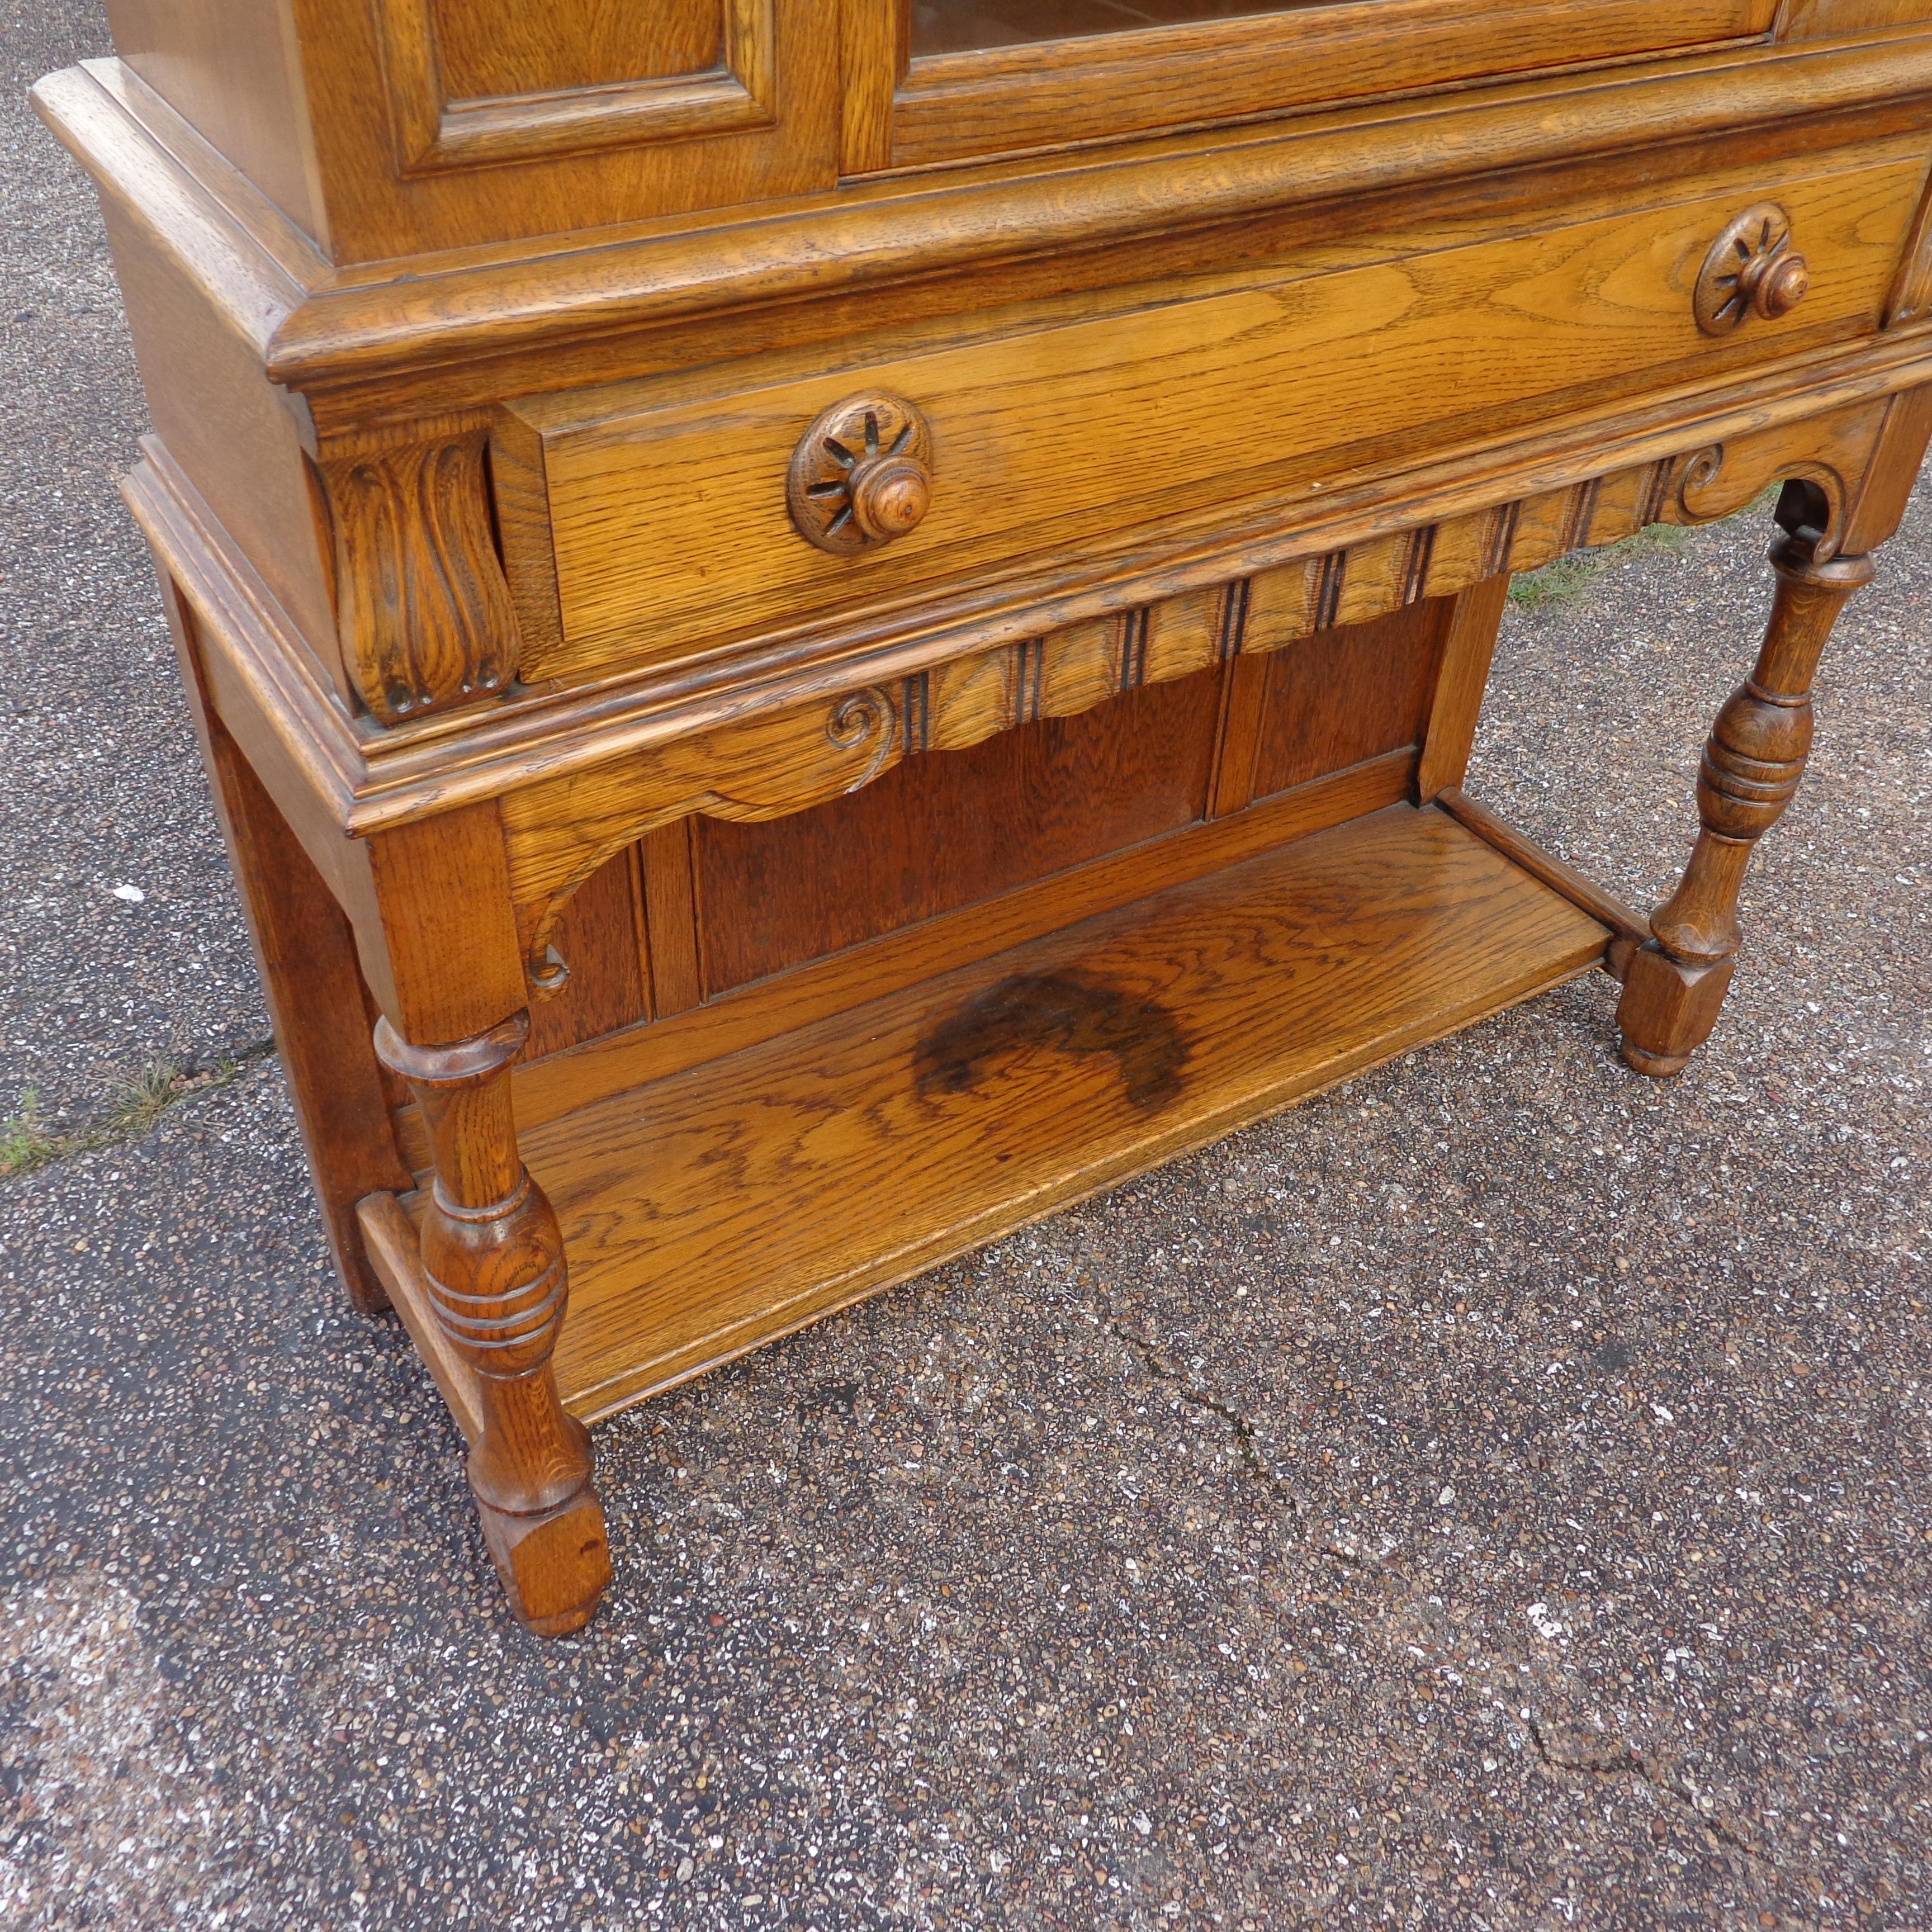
(728, 1203)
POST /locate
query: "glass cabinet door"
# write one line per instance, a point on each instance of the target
(960, 26)
(933, 81)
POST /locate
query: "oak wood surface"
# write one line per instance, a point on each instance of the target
(305, 952)
(1063, 437)
(234, 73)
(940, 832)
(1192, 1013)
(504, 47)
(1055, 87)
(599, 936)
(685, 1034)
(392, 1241)
(1349, 694)
(1766, 104)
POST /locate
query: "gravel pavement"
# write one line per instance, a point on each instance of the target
(1493, 1495)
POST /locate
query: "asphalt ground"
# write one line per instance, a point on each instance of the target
(1493, 1495)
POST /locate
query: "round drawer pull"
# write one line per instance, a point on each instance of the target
(862, 475)
(1752, 269)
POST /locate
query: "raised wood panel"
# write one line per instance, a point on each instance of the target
(475, 82)
(233, 73)
(408, 168)
(509, 47)
(983, 1099)
(1186, 65)
(946, 830)
(1058, 440)
(1817, 19)
(1347, 694)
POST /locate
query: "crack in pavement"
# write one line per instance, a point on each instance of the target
(1561, 1750)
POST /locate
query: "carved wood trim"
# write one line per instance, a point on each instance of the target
(560, 830)
(422, 606)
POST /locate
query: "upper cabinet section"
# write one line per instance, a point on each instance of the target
(388, 129)
(935, 81)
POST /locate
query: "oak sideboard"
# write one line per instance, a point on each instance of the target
(819, 625)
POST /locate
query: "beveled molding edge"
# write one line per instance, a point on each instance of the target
(318, 329)
(559, 830)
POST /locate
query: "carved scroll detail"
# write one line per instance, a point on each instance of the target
(423, 609)
(765, 766)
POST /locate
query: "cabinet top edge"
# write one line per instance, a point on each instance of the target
(317, 329)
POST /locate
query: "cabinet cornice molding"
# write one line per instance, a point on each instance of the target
(319, 329)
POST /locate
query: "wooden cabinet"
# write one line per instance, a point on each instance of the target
(820, 629)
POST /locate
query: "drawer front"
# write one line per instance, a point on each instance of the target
(648, 522)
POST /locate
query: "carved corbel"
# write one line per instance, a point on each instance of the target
(422, 605)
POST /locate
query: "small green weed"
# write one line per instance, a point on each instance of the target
(1557, 584)
(26, 1142)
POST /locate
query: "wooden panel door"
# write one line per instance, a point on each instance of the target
(444, 123)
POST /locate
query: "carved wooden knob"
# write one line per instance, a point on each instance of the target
(890, 496)
(1778, 290)
(861, 475)
(1751, 269)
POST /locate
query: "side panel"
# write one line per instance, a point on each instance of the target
(230, 68)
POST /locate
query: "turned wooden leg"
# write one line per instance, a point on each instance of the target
(493, 1258)
(1752, 766)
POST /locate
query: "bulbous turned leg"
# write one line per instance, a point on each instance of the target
(1751, 769)
(493, 1258)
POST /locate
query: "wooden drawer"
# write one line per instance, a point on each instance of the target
(647, 521)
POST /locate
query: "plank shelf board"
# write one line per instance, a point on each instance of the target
(997, 1092)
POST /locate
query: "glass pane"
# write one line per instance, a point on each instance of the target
(958, 26)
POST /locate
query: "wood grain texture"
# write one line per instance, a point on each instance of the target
(1469, 644)
(441, 955)
(230, 433)
(493, 1278)
(1253, 988)
(692, 1032)
(305, 953)
(1631, 929)
(773, 764)
(393, 1245)
(476, 81)
(234, 73)
(502, 47)
(598, 939)
(426, 619)
(937, 834)
(957, 107)
(1817, 19)
(577, 158)
(1324, 374)
(539, 299)
(1347, 694)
